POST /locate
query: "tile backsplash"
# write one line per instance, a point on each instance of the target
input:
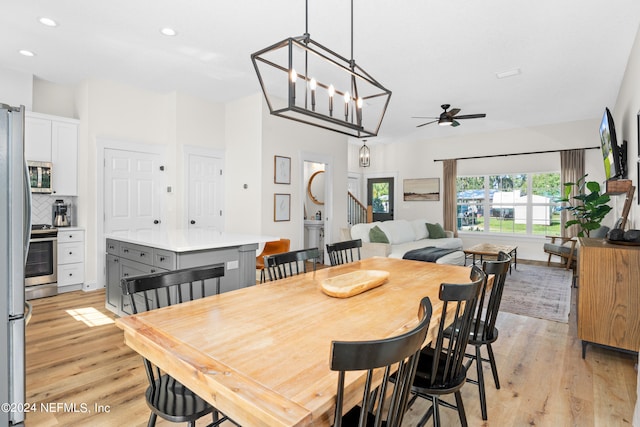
(41, 208)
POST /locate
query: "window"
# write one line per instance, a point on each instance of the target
(510, 203)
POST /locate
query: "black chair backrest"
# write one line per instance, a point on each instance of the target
(280, 266)
(460, 301)
(485, 317)
(343, 252)
(369, 355)
(156, 290)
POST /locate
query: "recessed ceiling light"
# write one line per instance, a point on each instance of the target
(168, 31)
(26, 52)
(508, 73)
(48, 22)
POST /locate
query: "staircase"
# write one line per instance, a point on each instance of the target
(357, 213)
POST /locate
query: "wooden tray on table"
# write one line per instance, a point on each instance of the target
(353, 283)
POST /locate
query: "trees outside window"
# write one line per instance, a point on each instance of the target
(509, 203)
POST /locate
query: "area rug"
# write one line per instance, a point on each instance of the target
(538, 291)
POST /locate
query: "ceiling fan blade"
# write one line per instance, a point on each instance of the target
(424, 124)
(421, 117)
(455, 123)
(453, 112)
(472, 116)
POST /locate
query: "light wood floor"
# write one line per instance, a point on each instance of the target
(545, 382)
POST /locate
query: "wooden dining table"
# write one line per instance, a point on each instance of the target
(261, 354)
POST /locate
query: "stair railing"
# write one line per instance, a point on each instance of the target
(357, 212)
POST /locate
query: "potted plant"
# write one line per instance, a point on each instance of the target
(588, 209)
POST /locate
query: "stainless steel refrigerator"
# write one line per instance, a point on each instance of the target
(15, 225)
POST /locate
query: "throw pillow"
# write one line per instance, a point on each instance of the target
(436, 231)
(377, 236)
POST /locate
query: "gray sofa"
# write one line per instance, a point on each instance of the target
(404, 236)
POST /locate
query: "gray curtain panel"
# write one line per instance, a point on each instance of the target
(571, 169)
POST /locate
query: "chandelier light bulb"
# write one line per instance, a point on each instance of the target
(313, 84)
(359, 103)
(332, 92)
(292, 86)
(346, 106)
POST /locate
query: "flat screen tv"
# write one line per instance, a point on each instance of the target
(613, 155)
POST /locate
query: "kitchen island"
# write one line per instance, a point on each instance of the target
(134, 254)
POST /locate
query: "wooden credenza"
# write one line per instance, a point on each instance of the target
(608, 295)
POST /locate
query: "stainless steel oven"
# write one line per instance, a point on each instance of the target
(41, 270)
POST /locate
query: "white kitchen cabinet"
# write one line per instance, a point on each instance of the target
(37, 136)
(64, 156)
(70, 259)
(54, 139)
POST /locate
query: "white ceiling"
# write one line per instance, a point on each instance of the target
(572, 53)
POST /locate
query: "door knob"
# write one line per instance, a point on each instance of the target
(192, 222)
(156, 221)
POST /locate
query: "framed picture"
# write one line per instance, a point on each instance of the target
(282, 170)
(421, 189)
(281, 207)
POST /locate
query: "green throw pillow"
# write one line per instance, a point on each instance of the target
(377, 236)
(436, 231)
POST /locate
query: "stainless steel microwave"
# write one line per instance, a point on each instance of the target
(40, 176)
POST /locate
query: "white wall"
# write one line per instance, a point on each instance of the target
(243, 184)
(55, 99)
(16, 88)
(302, 142)
(625, 117)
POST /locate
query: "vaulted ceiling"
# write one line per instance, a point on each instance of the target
(571, 54)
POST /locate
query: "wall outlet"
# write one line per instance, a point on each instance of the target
(232, 265)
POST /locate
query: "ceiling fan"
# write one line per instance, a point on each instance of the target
(449, 118)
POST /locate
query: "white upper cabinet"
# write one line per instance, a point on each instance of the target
(37, 137)
(54, 139)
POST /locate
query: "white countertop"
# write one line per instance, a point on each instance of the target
(186, 240)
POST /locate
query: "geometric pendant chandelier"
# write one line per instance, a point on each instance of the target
(304, 81)
(364, 157)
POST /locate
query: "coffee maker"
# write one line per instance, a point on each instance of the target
(60, 214)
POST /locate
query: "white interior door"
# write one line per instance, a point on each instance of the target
(205, 189)
(133, 185)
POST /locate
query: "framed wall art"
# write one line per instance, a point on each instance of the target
(281, 170)
(421, 189)
(281, 207)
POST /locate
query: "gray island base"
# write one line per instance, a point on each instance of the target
(143, 254)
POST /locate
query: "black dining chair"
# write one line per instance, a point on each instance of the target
(166, 397)
(483, 328)
(441, 370)
(283, 265)
(401, 353)
(343, 252)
